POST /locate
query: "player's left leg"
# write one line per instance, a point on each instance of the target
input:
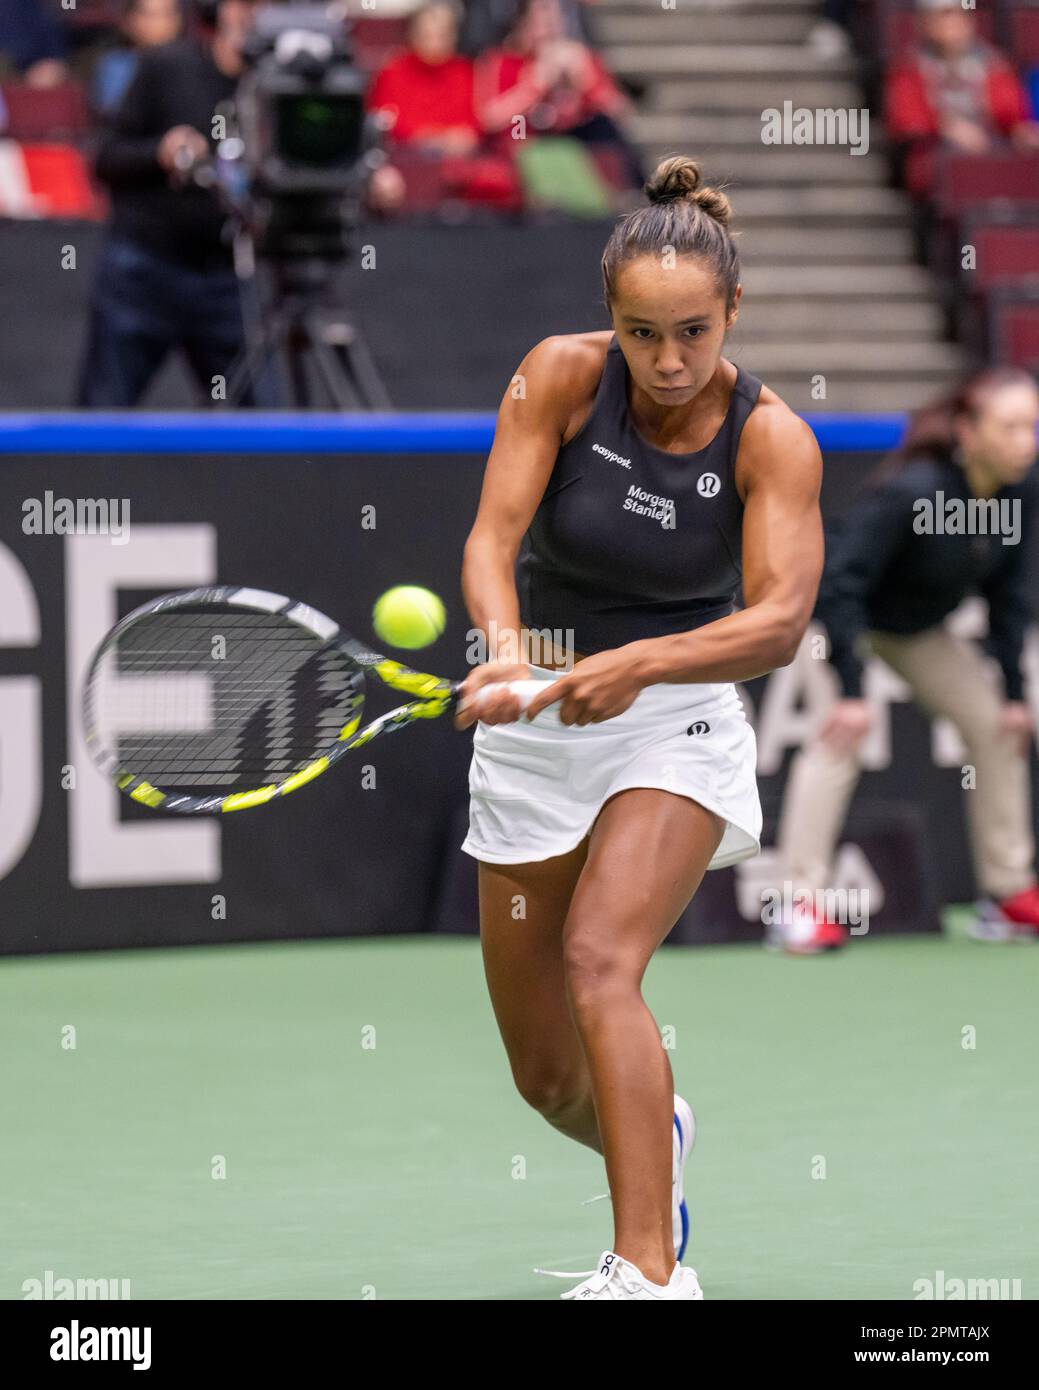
(647, 853)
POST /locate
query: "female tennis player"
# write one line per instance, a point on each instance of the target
(893, 575)
(650, 476)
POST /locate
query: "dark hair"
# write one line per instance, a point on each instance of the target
(683, 214)
(932, 430)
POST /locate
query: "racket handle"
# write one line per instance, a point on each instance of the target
(526, 690)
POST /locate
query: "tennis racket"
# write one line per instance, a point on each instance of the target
(220, 699)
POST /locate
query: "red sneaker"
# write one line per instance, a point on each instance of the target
(1013, 919)
(1023, 909)
(805, 934)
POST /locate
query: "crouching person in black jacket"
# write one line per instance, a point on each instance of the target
(953, 514)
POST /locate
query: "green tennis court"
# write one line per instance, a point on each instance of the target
(374, 1145)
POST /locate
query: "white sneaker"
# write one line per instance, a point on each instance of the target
(684, 1137)
(617, 1278)
(990, 923)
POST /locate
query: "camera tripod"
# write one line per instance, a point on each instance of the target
(297, 329)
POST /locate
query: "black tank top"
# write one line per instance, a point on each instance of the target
(628, 540)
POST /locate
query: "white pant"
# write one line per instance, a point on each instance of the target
(536, 786)
(948, 676)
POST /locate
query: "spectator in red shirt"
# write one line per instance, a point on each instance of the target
(425, 93)
(554, 82)
(953, 90)
(556, 85)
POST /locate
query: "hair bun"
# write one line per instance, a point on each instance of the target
(679, 178)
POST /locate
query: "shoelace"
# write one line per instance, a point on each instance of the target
(627, 1284)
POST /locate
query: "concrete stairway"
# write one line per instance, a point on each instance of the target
(831, 287)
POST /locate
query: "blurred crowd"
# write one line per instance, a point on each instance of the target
(954, 89)
(491, 108)
(504, 104)
(957, 86)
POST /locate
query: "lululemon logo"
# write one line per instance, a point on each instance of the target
(700, 727)
(708, 484)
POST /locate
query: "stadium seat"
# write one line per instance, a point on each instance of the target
(476, 181)
(94, 14)
(1022, 34)
(54, 113)
(1006, 252)
(612, 166)
(966, 180)
(376, 40)
(1014, 328)
(41, 181)
(1006, 243)
(423, 179)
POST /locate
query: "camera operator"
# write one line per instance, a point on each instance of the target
(166, 278)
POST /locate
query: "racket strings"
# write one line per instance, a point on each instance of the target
(222, 699)
(255, 749)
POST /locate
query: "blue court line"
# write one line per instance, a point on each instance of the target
(312, 432)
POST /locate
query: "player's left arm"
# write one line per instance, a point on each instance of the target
(1010, 594)
(779, 473)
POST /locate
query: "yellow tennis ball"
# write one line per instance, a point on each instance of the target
(408, 616)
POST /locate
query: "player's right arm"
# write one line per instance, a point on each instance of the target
(549, 384)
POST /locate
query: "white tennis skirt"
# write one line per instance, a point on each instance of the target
(536, 786)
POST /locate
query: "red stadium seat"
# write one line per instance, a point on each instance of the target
(1006, 254)
(612, 166)
(423, 179)
(1006, 263)
(966, 180)
(475, 181)
(41, 181)
(1022, 29)
(376, 40)
(54, 113)
(1014, 328)
(93, 14)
